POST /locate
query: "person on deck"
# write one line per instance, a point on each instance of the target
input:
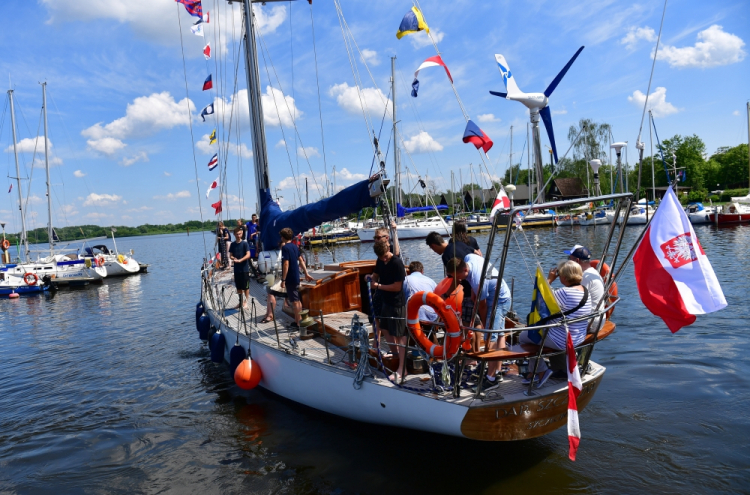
(388, 279)
(447, 250)
(291, 261)
(572, 297)
(592, 280)
(415, 282)
(239, 252)
(383, 234)
(241, 224)
(461, 233)
(222, 238)
(470, 269)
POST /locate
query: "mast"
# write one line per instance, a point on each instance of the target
(528, 165)
(748, 136)
(396, 161)
(257, 130)
(24, 238)
(46, 168)
(651, 142)
(511, 151)
(537, 154)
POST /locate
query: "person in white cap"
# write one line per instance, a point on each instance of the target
(591, 278)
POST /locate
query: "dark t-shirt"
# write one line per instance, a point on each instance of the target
(243, 237)
(473, 243)
(239, 250)
(389, 273)
(290, 253)
(456, 250)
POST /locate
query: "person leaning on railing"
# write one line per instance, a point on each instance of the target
(573, 299)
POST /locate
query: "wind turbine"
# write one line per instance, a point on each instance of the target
(538, 105)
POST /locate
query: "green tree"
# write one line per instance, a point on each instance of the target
(733, 166)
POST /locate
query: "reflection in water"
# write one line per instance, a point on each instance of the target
(109, 388)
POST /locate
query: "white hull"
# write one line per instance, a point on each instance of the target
(418, 231)
(584, 221)
(58, 267)
(117, 269)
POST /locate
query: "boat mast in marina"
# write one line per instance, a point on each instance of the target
(24, 236)
(46, 168)
(396, 161)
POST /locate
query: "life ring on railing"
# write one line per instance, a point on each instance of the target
(30, 278)
(455, 299)
(6, 245)
(445, 312)
(612, 290)
(99, 260)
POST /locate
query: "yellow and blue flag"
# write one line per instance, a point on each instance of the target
(543, 302)
(212, 137)
(412, 22)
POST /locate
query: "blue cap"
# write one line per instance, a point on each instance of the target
(580, 252)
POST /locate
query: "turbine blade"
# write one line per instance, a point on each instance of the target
(547, 119)
(498, 93)
(510, 82)
(559, 77)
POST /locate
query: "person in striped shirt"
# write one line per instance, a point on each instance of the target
(572, 296)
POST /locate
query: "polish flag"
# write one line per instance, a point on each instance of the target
(574, 390)
(213, 186)
(207, 51)
(502, 202)
(674, 277)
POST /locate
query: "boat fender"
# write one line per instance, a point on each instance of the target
(204, 326)
(247, 376)
(446, 313)
(211, 332)
(612, 290)
(217, 344)
(6, 245)
(236, 356)
(13, 295)
(30, 278)
(198, 313)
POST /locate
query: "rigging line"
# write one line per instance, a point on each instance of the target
(553, 174)
(33, 158)
(653, 64)
(294, 117)
(320, 108)
(289, 110)
(240, 175)
(190, 124)
(281, 126)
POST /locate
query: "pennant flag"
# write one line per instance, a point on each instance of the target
(574, 390)
(207, 51)
(213, 186)
(217, 207)
(209, 110)
(197, 29)
(502, 202)
(208, 83)
(212, 138)
(543, 302)
(193, 7)
(430, 62)
(674, 277)
(213, 163)
(206, 18)
(476, 136)
(10, 188)
(412, 22)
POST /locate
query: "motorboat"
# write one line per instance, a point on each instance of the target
(62, 268)
(730, 214)
(116, 264)
(698, 214)
(566, 220)
(29, 283)
(597, 217)
(411, 229)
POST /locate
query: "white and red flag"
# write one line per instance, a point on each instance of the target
(574, 390)
(213, 186)
(435, 61)
(502, 202)
(674, 277)
(207, 51)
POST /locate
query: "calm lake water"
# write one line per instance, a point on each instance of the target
(109, 390)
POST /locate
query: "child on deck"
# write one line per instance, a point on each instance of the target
(291, 260)
(239, 252)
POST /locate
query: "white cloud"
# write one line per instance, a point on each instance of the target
(79, 174)
(422, 143)
(351, 100)
(29, 145)
(280, 144)
(345, 175)
(487, 117)
(140, 209)
(98, 215)
(635, 35)
(562, 111)
(241, 150)
(34, 199)
(714, 47)
(276, 108)
(174, 196)
(138, 157)
(53, 161)
(107, 146)
(235, 149)
(421, 39)
(68, 210)
(94, 199)
(657, 102)
(370, 57)
(736, 113)
(167, 174)
(307, 151)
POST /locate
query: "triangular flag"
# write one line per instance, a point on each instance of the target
(217, 207)
(207, 51)
(208, 83)
(10, 188)
(212, 138)
(430, 62)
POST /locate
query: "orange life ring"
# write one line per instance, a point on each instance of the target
(446, 312)
(99, 260)
(612, 290)
(454, 299)
(30, 278)
(6, 245)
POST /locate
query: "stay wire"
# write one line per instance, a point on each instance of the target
(653, 64)
(320, 107)
(190, 125)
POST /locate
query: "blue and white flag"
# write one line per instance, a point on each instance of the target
(214, 162)
(209, 110)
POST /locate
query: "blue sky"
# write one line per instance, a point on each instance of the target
(121, 145)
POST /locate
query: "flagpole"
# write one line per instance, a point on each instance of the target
(46, 167)
(396, 162)
(24, 238)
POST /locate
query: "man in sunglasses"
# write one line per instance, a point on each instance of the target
(382, 234)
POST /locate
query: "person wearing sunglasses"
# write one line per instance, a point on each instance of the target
(382, 234)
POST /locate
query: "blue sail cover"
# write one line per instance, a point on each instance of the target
(401, 211)
(272, 219)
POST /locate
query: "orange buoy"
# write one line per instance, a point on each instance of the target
(6, 245)
(247, 375)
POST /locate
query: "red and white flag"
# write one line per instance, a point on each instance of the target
(207, 51)
(502, 202)
(213, 186)
(435, 61)
(674, 277)
(574, 390)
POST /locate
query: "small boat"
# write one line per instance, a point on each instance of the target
(62, 268)
(332, 235)
(566, 220)
(539, 219)
(698, 214)
(732, 213)
(411, 229)
(598, 217)
(28, 284)
(116, 264)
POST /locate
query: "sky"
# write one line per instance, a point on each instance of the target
(127, 144)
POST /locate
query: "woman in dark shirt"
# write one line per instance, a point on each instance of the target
(461, 233)
(388, 279)
(222, 237)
